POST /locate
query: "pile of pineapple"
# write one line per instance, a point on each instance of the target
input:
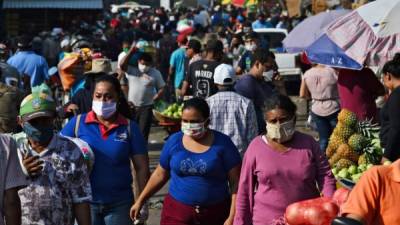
(354, 146)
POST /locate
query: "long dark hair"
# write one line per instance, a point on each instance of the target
(122, 103)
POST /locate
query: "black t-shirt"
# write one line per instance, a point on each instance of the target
(390, 126)
(201, 77)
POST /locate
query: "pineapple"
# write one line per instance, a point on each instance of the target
(334, 159)
(335, 141)
(329, 152)
(362, 159)
(346, 152)
(343, 131)
(344, 163)
(357, 142)
(348, 118)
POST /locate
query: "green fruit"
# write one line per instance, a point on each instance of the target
(356, 177)
(335, 171)
(352, 170)
(362, 167)
(343, 173)
(387, 163)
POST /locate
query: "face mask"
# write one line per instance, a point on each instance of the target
(104, 109)
(250, 47)
(41, 134)
(281, 132)
(195, 130)
(268, 75)
(143, 68)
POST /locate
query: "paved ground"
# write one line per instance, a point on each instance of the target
(156, 140)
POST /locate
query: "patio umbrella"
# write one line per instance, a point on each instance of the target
(369, 36)
(308, 31)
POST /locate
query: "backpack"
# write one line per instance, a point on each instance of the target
(10, 99)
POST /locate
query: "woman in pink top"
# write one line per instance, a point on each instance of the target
(279, 168)
(320, 84)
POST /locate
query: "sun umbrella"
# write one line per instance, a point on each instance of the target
(369, 36)
(325, 51)
(308, 31)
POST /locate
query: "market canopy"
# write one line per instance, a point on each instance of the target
(52, 4)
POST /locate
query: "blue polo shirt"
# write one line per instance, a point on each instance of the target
(30, 64)
(199, 178)
(177, 62)
(111, 177)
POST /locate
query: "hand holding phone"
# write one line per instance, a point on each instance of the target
(32, 164)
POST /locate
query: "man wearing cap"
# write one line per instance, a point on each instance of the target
(231, 113)
(10, 74)
(251, 44)
(200, 74)
(12, 179)
(177, 65)
(58, 190)
(31, 66)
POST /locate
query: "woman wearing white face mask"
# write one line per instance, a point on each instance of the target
(199, 163)
(116, 142)
(279, 168)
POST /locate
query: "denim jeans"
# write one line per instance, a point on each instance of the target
(325, 126)
(111, 214)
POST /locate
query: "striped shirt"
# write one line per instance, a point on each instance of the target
(233, 115)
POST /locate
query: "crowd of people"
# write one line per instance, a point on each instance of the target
(238, 158)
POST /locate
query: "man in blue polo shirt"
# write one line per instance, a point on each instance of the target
(31, 66)
(177, 65)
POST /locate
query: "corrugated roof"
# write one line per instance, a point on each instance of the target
(53, 4)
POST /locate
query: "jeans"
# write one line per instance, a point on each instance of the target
(144, 118)
(112, 213)
(325, 126)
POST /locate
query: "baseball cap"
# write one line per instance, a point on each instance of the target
(214, 45)
(224, 74)
(195, 45)
(38, 104)
(182, 39)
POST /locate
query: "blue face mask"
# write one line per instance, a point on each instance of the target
(41, 134)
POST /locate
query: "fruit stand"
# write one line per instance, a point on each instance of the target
(353, 148)
(169, 117)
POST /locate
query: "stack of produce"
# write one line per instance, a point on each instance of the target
(173, 111)
(317, 211)
(354, 146)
